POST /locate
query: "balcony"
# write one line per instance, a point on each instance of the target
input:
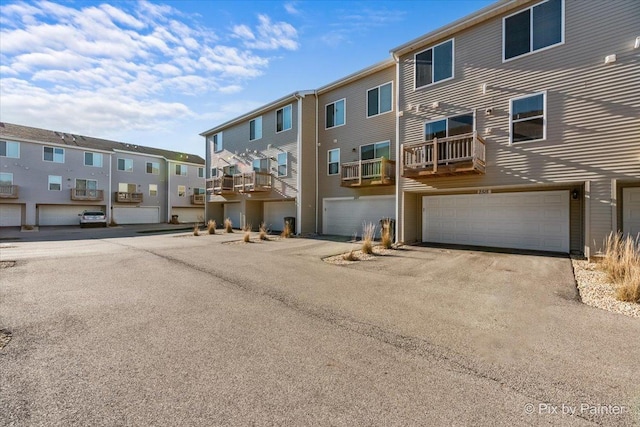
(364, 173)
(460, 154)
(91, 195)
(122, 197)
(220, 185)
(8, 191)
(197, 199)
(252, 182)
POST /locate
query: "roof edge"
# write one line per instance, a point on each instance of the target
(357, 75)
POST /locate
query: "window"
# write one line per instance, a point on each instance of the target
(53, 154)
(375, 151)
(527, 118)
(255, 129)
(335, 114)
(333, 159)
(200, 172)
(181, 170)
(283, 119)
(124, 187)
(451, 126)
(532, 29)
(6, 179)
(10, 149)
(229, 170)
(434, 65)
(153, 168)
(55, 183)
(153, 189)
(379, 100)
(87, 187)
(125, 165)
(216, 141)
(282, 164)
(214, 172)
(198, 191)
(261, 165)
(182, 190)
(93, 159)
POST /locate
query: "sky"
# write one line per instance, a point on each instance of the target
(159, 73)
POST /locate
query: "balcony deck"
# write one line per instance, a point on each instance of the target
(248, 182)
(122, 197)
(365, 173)
(455, 155)
(8, 191)
(87, 195)
(197, 199)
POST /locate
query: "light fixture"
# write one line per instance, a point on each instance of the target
(574, 194)
(636, 45)
(484, 88)
(609, 59)
(435, 104)
(488, 111)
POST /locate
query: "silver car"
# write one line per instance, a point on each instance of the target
(93, 218)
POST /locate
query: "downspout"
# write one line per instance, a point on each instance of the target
(168, 163)
(315, 93)
(300, 159)
(109, 196)
(399, 223)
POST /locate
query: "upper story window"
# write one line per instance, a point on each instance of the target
(335, 114)
(93, 159)
(125, 187)
(333, 160)
(182, 190)
(379, 99)
(375, 151)
(283, 119)
(216, 141)
(535, 28)
(10, 149)
(260, 165)
(153, 168)
(200, 172)
(153, 189)
(53, 154)
(527, 118)
(255, 128)
(282, 164)
(450, 126)
(198, 191)
(6, 178)
(230, 170)
(181, 170)
(125, 165)
(214, 172)
(55, 183)
(434, 64)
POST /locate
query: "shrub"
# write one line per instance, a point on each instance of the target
(211, 226)
(263, 233)
(228, 225)
(621, 262)
(629, 289)
(350, 256)
(368, 231)
(247, 233)
(196, 229)
(287, 232)
(387, 240)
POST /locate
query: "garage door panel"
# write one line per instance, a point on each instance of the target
(137, 215)
(276, 212)
(347, 217)
(62, 214)
(631, 211)
(186, 214)
(233, 211)
(10, 215)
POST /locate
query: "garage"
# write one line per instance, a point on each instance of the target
(536, 220)
(275, 213)
(345, 217)
(10, 215)
(631, 211)
(186, 214)
(137, 215)
(62, 214)
(232, 211)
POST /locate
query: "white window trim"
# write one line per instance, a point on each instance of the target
(544, 117)
(54, 154)
(366, 113)
(253, 120)
(10, 176)
(49, 182)
(329, 162)
(124, 170)
(453, 64)
(185, 190)
(85, 179)
(374, 144)
(182, 167)
(203, 174)
(18, 143)
(531, 51)
(156, 190)
(276, 118)
(465, 113)
(345, 113)
(84, 155)
(286, 165)
(219, 137)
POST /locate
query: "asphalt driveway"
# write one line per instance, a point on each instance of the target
(178, 329)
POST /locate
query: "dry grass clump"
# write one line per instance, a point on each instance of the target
(350, 256)
(621, 262)
(263, 233)
(386, 235)
(247, 233)
(228, 225)
(287, 232)
(196, 229)
(368, 232)
(211, 226)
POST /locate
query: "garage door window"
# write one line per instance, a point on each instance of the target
(528, 118)
(55, 183)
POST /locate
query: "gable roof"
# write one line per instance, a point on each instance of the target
(27, 133)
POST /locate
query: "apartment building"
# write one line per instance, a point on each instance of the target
(519, 127)
(49, 177)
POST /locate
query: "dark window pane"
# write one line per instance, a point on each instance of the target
(252, 129)
(443, 60)
(333, 168)
(330, 116)
(517, 34)
(382, 150)
(435, 130)
(424, 62)
(48, 154)
(527, 107)
(372, 102)
(547, 24)
(3, 148)
(279, 120)
(528, 130)
(88, 159)
(367, 152)
(385, 98)
(460, 125)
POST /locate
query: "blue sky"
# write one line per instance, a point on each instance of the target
(159, 73)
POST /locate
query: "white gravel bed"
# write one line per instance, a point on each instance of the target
(597, 291)
(339, 259)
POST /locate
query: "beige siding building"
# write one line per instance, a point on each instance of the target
(519, 127)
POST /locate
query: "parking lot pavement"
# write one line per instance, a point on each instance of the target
(178, 329)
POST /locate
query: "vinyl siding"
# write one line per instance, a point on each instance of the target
(307, 197)
(593, 110)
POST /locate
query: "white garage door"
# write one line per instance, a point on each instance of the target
(189, 214)
(345, 217)
(10, 215)
(275, 212)
(63, 214)
(631, 211)
(533, 220)
(232, 211)
(141, 215)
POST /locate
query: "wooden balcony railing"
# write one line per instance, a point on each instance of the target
(84, 194)
(8, 191)
(250, 182)
(362, 173)
(197, 199)
(122, 197)
(220, 185)
(453, 155)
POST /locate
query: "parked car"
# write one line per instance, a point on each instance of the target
(93, 218)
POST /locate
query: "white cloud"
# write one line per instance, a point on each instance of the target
(270, 35)
(291, 8)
